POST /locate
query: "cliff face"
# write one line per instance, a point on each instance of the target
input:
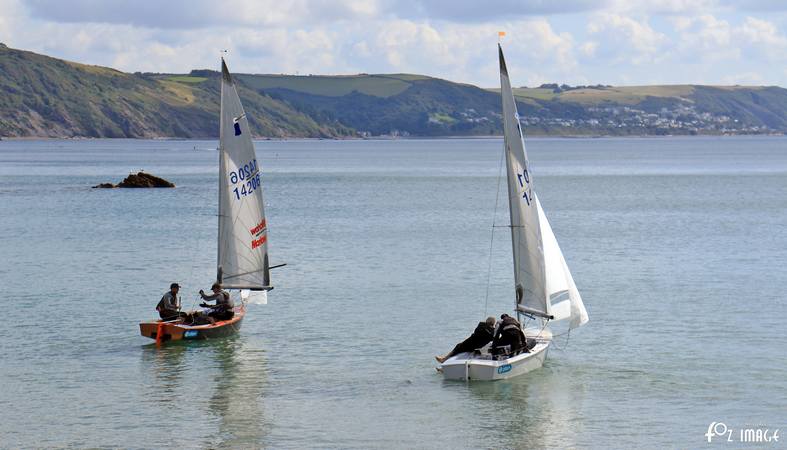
(48, 97)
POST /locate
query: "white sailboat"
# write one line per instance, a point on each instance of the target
(242, 264)
(543, 287)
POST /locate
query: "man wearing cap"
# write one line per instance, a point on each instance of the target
(169, 306)
(222, 310)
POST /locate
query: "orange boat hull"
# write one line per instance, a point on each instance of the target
(176, 331)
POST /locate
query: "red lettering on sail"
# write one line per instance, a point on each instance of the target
(259, 228)
(258, 242)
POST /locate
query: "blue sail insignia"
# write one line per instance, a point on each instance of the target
(236, 124)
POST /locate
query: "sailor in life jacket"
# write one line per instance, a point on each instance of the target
(222, 310)
(509, 333)
(169, 306)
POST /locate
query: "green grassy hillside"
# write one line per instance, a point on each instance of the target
(48, 97)
(419, 106)
(330, 86)
(660, 109)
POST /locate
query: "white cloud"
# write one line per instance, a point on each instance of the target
(361, 50)
(467, 52)
(588, 49)
(681, 23)
(627, 40)
(191, 14)
(744, 78)
(708, 39)
(666, 7)
(206, 13)
(633, 41)
(474, 11)
(753, 5)
(11, 13)
(762, 32)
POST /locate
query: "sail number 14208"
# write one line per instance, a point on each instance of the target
(248, 179)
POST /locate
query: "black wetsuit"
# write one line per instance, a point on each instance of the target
(510, 333)
(482, 335)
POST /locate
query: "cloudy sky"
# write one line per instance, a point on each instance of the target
(621, 42)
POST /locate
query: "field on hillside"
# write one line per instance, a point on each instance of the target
(330, 86)
(49, 97)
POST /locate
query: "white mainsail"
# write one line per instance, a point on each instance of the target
(544, 285)
(243, 232)
(529, 271)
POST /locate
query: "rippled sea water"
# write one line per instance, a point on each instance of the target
(678, 246)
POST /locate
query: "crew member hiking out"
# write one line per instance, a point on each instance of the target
(482, 335)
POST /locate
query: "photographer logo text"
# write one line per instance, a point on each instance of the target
(720, 432)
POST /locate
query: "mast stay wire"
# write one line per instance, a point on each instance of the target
(492, 233)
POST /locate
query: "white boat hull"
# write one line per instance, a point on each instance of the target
(466, 366)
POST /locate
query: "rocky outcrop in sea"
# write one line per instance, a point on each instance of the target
(139, 180)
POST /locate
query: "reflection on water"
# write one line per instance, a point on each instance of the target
(539, 410)
(219, 383)
(165, 363)
(237, 397)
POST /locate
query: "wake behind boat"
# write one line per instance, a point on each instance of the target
(544, 289)
(242, 229)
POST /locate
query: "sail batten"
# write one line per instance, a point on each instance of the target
(243, 241)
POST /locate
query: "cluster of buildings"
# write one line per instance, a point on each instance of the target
(618, 119)
(613, 119)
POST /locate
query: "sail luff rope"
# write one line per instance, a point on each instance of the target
(195, 258)
(492, 238)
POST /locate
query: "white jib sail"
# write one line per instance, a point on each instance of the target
(565, 301)
(529, 271)
(243, 232)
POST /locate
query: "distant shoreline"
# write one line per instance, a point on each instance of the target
(63, 99)
(398, 138)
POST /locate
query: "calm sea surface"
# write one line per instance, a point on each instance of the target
(678, 246)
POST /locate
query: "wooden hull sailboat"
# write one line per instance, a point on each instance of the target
(543, 287)
(242, 263)
(176, 330)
